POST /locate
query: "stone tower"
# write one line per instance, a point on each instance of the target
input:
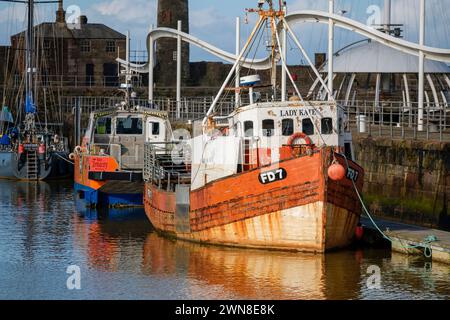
(169, 12)
(60, 14)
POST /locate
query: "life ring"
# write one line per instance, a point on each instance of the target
(72, 156)
(296, 136)
(78, 149)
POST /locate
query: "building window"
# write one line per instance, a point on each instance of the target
(90, 80)
(248, 128)
(174, 56)
(110, 46)
(47, 44)
(327, 126)
(110, 75)
(85, 46)
(129, 126)
(287, 126)
(307, 126)
(268, 128)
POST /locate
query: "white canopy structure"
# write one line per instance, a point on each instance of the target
(374, 70)
(374, 57)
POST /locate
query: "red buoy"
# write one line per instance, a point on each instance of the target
(21, 149)
(336, 171)
(359, 232)
(41, 149)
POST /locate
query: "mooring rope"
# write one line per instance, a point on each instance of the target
(64, 158)
(426, 244)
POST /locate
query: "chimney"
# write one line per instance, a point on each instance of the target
(83, 20)
(60, 14)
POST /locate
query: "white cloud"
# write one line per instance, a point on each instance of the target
(136, 11)
(206, 17)
(307, 5)
(13, 13)
(12, 20)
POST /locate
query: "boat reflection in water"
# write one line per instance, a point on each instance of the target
(230, 273)
(111, 237)
(122, 242)
(256, 274)
(121, 257)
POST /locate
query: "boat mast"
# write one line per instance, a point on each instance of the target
(265, 16)
(29, 59)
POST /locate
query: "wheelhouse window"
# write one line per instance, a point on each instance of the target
(103, 126)
(307, 126)
(327, 126)
(248, 128)
(129, 125)
(268, 128)
(155, 128)
(287, 126)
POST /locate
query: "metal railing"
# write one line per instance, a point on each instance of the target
(76, 81)
(395, 120)
(189, 108)
(160, 167)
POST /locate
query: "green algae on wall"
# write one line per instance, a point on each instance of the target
(406, 180)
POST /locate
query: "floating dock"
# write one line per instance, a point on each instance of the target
(432, 243)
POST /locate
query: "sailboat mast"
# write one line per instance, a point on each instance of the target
(29, 52)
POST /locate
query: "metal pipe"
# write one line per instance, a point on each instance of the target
(283, 71)
(330, 50)
(150, 67)
(377, 91)
(421, 66)
(29, 51)
(284, 53)
(238, 69)
(407, 95)
(387, 15)
(179, 70)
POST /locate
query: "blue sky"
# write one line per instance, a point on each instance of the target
(214, 20)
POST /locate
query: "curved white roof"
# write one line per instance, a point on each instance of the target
(374, 57)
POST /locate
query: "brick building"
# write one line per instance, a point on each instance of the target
(82, 55)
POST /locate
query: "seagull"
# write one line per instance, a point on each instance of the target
(342, 12)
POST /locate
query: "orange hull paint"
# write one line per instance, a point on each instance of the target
(306, 211)
(85, 163)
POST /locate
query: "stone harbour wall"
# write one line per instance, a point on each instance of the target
(406, 181)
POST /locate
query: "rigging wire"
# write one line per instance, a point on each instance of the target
(283, 62)
(259, 35)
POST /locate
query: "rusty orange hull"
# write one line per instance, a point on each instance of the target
(305, 211)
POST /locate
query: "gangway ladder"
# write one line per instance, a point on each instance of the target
(32, 165)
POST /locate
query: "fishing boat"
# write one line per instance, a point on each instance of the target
(276, 175)
(109, 161)
(30, 150)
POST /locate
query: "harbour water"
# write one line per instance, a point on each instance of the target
(42, 233)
